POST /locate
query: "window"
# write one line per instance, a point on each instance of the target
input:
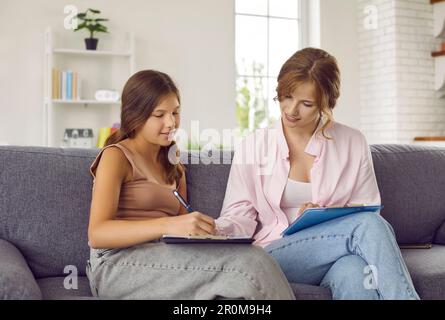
(268, 32)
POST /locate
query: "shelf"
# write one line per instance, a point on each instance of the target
(84, 101)
(435, 54)
(98, 53)
(429, 139)
(84, 112)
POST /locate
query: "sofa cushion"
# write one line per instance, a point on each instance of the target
(309, 292)
(411, 181)
(440, 234)
(53, 289)
(45, 196)
(16, 280)
(206, 183)
(427, 269)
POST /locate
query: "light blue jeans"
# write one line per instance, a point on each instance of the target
(356, 256)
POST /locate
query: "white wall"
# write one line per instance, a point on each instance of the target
(339, 36)
(397, 73)
(191, 40)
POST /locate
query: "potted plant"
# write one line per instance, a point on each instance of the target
(93, 24)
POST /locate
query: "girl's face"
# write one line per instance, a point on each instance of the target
(163, 121)
(299, 109)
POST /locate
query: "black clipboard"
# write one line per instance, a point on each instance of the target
(172, 239)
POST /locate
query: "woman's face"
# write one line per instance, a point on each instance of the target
(299, 109)
(160, 126)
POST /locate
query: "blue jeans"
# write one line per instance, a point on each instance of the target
(356, 256)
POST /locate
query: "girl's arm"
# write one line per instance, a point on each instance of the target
(104, 230)
(107, 231)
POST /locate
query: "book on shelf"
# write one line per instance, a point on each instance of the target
(104, 133)
(75, 85)
(69, 84)
(65, 85)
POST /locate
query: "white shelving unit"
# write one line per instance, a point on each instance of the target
(56, 112)
(84, 101)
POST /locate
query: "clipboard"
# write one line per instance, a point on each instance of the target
(314, 216)
(172, 239)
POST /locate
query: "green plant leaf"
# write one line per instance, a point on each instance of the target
(101, 29)
(91, 24)
(81, 26)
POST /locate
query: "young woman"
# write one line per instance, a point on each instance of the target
(133, 206)
(312, 161)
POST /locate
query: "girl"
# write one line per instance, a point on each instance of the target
(133, 206)
(313, 161)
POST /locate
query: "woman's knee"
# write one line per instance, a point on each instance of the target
(371, 221)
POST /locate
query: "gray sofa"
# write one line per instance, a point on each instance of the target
(45, 195)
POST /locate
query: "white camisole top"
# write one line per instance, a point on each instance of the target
(295, 194)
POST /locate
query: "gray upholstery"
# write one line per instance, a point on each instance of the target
(206, 184)
(45, 199)
(53, 289)
(45, 194)
(426, 267)
(411, 181)
(16, 280)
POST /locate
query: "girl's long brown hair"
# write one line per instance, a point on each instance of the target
(142, 93)
(320, 68)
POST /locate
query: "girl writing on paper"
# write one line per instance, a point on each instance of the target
(309, 160)
(133, 206)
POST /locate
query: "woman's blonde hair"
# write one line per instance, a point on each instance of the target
(320, 68)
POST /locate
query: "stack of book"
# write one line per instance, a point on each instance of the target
(65, 85)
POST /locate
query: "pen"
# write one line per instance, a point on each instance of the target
(182, 201)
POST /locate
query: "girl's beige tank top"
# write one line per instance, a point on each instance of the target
(141, 196)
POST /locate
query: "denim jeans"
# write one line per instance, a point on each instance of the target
(356, 256)
(157, 270)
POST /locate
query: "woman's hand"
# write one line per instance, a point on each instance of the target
(192, 224)
(306, 205)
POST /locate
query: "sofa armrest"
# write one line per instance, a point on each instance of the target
(16, 279)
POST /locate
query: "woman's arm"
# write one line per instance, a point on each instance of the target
(238, 215)
(366, 190)
(105, 230)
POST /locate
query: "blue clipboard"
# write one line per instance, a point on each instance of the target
(313, 216)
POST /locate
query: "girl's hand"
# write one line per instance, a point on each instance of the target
(306, 205)
(191, 224)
